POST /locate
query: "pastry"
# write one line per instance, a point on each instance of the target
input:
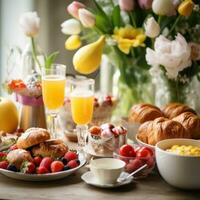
(160, 129)
(191, 123)
(18, 156)
(31, 137)
(54, 148)
(141, 113)
(172, 110)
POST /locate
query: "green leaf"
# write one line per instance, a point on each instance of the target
(50, 59)
(116, 18)
(100, 10)
(103, 24)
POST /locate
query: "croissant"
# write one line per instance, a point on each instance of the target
(160, 129)
(191, 123)
(141, 113)
(174, 109)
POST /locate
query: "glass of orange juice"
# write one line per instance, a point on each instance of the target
(82, 103)
(53, 91)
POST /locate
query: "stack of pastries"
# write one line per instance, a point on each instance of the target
(36, 142)
(175, 120)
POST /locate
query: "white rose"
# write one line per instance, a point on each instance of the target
(71, 27)
(174, 55)
(152, 28)
(30, 23)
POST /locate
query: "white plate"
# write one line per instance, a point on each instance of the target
(89, 178)
(41, 177)
(144, 144)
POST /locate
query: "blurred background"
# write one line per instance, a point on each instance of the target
(50, 39)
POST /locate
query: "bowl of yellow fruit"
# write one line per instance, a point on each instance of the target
(178, 162)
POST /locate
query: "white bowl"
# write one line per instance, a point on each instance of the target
(107, 170)
(144, 144)
(179, 171)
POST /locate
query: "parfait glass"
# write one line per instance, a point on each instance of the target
(53, 91)
(82, 103)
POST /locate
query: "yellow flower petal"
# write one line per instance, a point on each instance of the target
(128, 37)
(186, 8)
(73, 42)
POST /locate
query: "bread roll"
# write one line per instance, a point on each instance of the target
(191, 123)
(18, 156)
(31, 137)
(160, 129)
(141, 113)
(174, 109)
(54, 148)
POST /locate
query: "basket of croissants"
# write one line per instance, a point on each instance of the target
(174, 120)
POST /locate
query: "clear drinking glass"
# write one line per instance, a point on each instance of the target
(53, 92)
(82, 103)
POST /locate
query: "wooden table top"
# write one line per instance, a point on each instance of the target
(73, 188)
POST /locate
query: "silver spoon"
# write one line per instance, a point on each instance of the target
(122, 179)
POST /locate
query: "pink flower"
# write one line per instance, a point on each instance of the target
(127, 5)
(87, 18)
(74, 7)
(145, 4)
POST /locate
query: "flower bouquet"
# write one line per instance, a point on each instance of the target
(138, 35)
(28, 88)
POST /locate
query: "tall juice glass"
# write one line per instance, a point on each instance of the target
(53, 91)
(82, 103)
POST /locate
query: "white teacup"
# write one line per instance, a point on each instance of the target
(107, 170)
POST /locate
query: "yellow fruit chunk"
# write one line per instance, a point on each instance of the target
(8, 116)
(87, 59)
(73, 42)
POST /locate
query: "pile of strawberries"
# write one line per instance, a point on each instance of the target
(41, 165)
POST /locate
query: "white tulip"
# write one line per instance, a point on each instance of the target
(163, 7)
(71, 27)
(30, 23)
(152, 28)
(173, 55)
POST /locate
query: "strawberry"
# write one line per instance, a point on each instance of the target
(70, 156)
(3, 156)
(37, 160)
(73, 163)
(42, 170)
(4, 164)
(27, 167)
(57, 166)
(13, 147)
(46, 162)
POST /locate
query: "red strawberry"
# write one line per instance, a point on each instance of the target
(46, 162)
(70, 156)
(37, 160)
(57, 166)
(3, 156)
(27, 167)
(13, 147)
(72, 164)
(4, 164)
(42, 170)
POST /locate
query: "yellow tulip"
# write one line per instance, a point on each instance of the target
(87, 59)
(186, 8)
(73, 42)
(128, 37)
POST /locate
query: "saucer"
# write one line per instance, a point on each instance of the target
(89, 178)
